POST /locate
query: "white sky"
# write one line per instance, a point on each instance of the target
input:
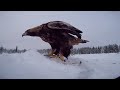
(99, 27)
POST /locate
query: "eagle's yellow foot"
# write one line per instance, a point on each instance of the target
(51, 53)
(61, 57)
(54, 56)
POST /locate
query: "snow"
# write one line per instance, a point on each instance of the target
(105, 66)
(33, 65)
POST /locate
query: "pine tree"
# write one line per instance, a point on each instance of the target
(1, 50)
(16, 50)
(119, 48)
(116, 48)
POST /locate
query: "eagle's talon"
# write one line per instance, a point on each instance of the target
(61, 57)
(64, 60)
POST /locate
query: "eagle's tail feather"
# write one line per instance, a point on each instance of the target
(76, 41)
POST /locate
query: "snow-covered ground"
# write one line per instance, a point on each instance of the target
(32, 65)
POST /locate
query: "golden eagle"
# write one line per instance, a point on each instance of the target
(60, 35)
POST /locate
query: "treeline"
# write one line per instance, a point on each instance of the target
(114, 48)
(16, 50)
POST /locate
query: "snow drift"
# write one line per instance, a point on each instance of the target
(32, 65)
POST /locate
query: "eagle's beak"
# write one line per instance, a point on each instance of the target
(24, 34)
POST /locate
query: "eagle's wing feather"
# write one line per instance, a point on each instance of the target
(62, 25)
(64, 28)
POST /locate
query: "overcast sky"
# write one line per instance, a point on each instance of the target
(99, 27)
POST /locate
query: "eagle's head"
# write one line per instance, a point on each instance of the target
(32, 32)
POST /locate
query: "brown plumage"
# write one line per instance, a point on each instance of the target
(58, 35)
